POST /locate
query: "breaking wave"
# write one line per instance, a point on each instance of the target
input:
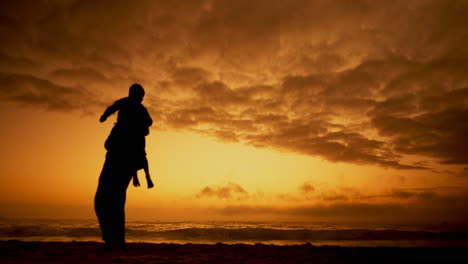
(226, 234)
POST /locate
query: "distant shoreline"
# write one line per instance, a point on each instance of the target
(15, 251)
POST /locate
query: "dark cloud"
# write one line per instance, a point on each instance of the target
(463, 173)
(32, 91)
(189, 76)
(307, 187)
(431, 208)
(402, 194)
(83, 75)
(230, 191)
(440, 135)
(16, 64)
(332, 79)
(309, 193)
(334, 197)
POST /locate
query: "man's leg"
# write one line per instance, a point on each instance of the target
(109, 201)
(118, 209)
(103, 201)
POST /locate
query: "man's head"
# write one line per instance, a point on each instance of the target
(136, 92)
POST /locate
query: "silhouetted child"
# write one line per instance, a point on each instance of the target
(127, 137)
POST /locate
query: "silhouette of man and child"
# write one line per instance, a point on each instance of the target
(125, 155)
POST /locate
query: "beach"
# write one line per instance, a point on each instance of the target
(21, 252)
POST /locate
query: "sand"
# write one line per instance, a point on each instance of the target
(93, 252)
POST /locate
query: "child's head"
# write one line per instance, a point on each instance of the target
(136, 92)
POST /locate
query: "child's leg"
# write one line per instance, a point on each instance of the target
(136, 182)
(148, 178)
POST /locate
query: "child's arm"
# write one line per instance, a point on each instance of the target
(147, 121)
(111, 110)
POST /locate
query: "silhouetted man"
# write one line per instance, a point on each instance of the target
(125, 154)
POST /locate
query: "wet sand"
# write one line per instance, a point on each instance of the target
(93, 252)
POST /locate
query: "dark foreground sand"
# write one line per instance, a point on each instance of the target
(92, 252)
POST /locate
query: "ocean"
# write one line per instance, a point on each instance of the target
(278, 233)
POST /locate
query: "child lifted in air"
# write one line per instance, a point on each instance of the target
(127, 137)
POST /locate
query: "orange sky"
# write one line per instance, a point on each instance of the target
(305, 110)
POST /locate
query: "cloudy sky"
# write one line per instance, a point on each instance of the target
(341, 110)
